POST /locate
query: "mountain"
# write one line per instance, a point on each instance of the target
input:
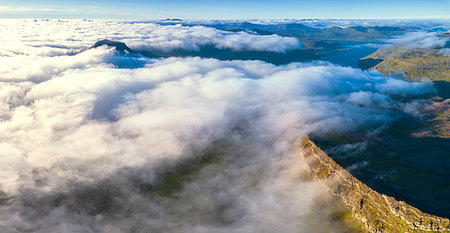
(359, 33)
(122, 48)
(377, 212)
(411, 64)
(119, 46)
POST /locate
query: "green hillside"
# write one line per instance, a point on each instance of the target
(411, 64)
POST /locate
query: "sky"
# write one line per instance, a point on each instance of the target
(231, 9)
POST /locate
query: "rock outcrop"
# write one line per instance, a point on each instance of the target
(119, 46)
(378, 212)
(122, 48)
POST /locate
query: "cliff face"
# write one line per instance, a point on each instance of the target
(377, 212)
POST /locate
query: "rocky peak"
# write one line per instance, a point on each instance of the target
(119, 46)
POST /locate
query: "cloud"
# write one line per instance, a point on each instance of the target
(406, 23)
(103, 142)
(79, 145)
(419, 40)
(167, 38)
(326, 23)
(51, 37)
(445, 52)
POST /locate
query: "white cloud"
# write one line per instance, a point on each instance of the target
(83, 140)
(167, 38)
(445, 52)
(419, 40)
(56, 37)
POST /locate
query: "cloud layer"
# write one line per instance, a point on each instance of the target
(93, 142)
(57, 37)
(91, 129)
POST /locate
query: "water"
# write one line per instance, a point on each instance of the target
(351, 55)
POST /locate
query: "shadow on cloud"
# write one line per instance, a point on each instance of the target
(102, 142)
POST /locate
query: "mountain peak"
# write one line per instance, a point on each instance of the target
(119, 46)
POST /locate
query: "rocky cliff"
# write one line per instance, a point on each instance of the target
(377, 212)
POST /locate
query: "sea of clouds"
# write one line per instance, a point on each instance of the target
(86, 141)
(57, 37)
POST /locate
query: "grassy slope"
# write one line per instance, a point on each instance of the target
(413, 64)
(438, 122)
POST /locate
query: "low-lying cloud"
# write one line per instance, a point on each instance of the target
(420, 40)
(58, 37)
(445, 52)
(86, 145)
(98, 141)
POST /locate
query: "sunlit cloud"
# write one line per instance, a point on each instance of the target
(420, 40)
(88, 136)
(26, 37)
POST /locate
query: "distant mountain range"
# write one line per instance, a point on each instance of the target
(358, 33)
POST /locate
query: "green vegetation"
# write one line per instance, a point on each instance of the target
(175, 177)
(439, 124)
(173, 181)
(412, 64)
(343, 218)
(415, 64)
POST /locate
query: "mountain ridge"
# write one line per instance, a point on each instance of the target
(378, 212)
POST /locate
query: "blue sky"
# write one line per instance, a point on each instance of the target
(232, 9)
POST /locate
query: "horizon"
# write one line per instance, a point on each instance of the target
(218, 19)
(229, 10)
